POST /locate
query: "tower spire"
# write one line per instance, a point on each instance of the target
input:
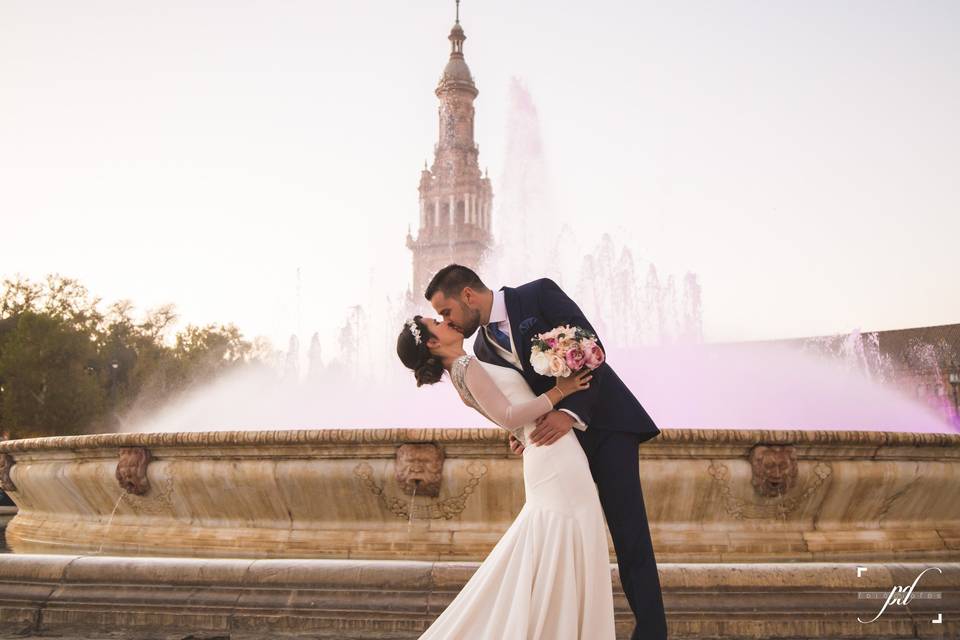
(456, 75)
(457, 36)
(455, 197)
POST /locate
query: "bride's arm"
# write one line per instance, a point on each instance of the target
(496, 405)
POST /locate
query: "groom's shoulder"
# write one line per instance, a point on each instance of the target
(537, 285)
(540, 288)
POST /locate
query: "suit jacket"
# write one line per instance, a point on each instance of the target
(540, 306)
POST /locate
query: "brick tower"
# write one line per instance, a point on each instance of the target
(455, 199)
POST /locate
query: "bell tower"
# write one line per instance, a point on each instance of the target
(455, 198)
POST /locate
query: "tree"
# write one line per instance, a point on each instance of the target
(49, 385)
(68, 368)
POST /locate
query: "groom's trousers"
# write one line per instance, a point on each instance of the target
(615, 464)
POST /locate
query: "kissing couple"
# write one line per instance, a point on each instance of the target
(577, 427)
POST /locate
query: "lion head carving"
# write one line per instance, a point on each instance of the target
(6, 464)
(419, 468)
(132, 470)
(774, 469)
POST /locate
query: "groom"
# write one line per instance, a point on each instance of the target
(608, 419)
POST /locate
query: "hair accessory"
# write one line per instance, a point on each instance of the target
(415, 330)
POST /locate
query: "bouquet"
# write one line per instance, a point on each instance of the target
(565, 350)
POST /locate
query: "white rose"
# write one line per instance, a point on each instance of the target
(540, 362)
(558, 368)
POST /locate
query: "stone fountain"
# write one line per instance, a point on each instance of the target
(368, 533)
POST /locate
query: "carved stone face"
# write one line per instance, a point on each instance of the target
(420, 467)
(774, 469)
(6, 464)
(132, 470)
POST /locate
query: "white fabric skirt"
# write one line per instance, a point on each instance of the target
(548, 577)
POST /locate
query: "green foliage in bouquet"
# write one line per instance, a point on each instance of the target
(579, 334)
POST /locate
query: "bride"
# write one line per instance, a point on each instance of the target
(548, 577)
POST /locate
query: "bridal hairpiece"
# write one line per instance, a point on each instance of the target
(415, 330)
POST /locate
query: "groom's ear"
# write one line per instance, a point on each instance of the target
(469, 297)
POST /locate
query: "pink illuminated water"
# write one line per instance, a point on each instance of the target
(690, 386)
(766, 386)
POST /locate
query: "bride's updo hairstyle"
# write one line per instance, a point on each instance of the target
(427, 368)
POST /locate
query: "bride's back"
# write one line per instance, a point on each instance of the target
(510, 382)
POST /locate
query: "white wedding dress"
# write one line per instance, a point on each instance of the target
(548, 577)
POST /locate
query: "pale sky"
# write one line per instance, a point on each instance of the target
(802, 158)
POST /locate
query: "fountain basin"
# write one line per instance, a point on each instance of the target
(712, 495)
(758, 534)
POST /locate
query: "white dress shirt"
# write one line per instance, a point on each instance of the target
(500, 319)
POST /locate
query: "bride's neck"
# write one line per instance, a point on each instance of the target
(449, 355)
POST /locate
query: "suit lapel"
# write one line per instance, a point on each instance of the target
(512, 301)
(487, 353)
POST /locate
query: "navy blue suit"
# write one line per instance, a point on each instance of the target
(616, 424)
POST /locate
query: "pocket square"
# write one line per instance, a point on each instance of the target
(527, 324)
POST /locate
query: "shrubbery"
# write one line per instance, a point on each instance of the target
(67, 368)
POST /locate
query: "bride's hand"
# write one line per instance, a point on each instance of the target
(575, 382)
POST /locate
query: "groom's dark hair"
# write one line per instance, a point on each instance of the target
(452, 279)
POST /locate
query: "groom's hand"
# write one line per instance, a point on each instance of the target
(551, 427)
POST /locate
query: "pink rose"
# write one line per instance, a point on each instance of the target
(552, 342)
(575, 358)
(593, 354)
